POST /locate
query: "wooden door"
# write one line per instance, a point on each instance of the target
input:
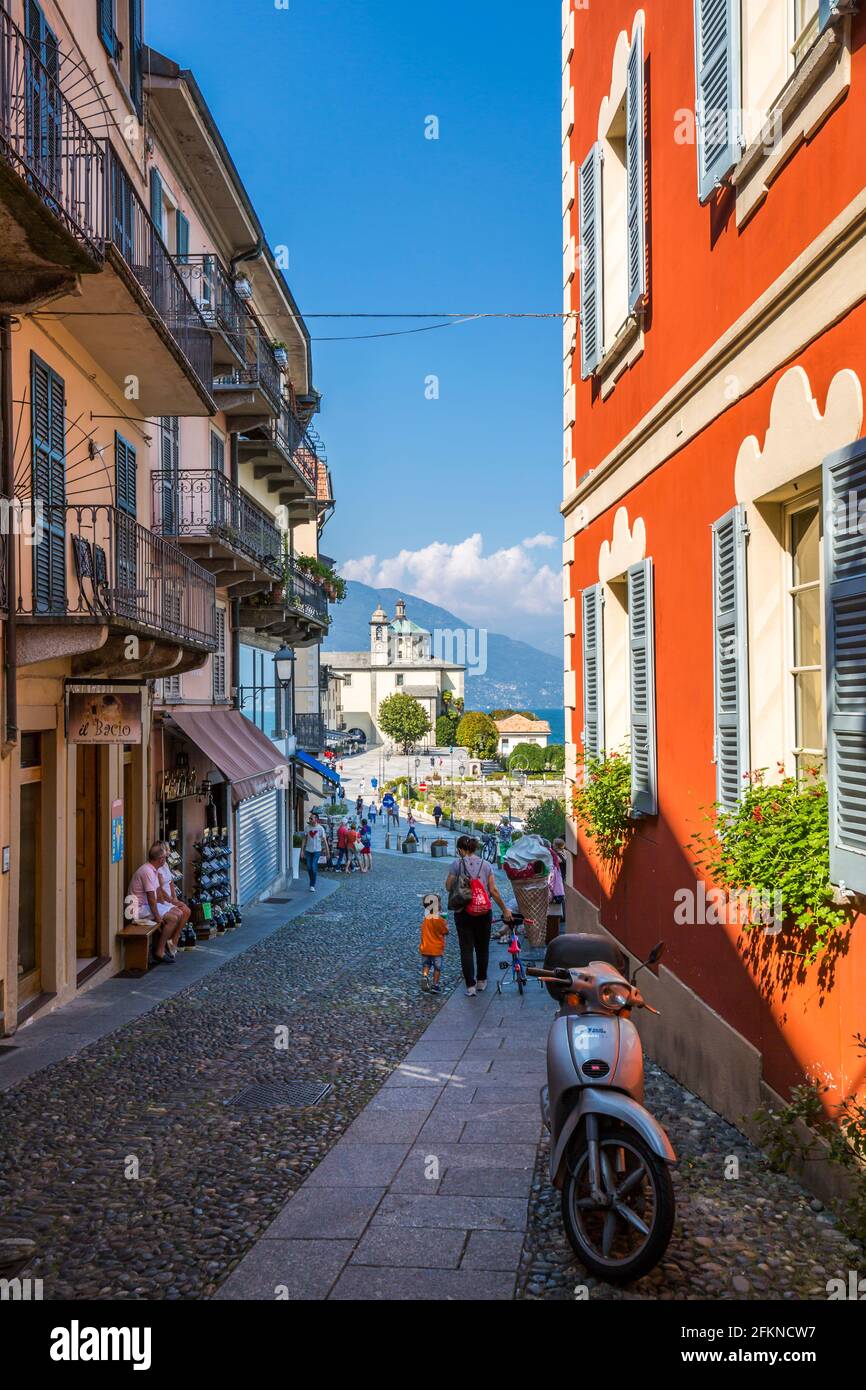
(88, 865)
(30, 870)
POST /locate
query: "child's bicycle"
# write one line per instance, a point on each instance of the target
(516, 966)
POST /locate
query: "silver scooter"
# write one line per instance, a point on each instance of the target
(609, 1157)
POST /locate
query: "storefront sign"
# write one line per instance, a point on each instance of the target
(103, 713)
(116, 832)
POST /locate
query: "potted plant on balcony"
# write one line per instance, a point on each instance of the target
(281, 354)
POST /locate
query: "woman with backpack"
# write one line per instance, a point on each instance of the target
(471, 886)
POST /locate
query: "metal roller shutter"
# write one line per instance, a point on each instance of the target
(259, 827)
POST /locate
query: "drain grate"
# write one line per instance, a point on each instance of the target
(267, 1095)
(275, 900)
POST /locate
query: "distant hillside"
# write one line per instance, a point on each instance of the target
(518, 676)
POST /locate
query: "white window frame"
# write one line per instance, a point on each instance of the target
(808, 502)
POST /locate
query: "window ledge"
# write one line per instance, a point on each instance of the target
(818, 84)
(625, 349)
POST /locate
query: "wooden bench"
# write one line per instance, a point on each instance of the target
(136, 945)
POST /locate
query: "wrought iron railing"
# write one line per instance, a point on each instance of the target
(45, 140)
(261, 369)
(135, 236)
(96, 563)
(201, 502)
(214, 292)
(304, 593)
(310, 732)
(294, 440)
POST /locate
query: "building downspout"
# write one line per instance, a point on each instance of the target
(252, 254)
(7, 488)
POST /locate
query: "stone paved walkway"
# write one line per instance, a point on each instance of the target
(426, 1196)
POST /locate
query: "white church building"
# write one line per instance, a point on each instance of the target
(400, 660)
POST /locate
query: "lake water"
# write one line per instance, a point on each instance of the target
(556, 720)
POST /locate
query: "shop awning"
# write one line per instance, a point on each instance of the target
(244, 755)
(315, 766)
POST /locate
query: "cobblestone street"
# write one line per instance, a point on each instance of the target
(162, 1188)
(342, 978)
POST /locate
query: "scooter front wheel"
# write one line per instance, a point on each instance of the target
(622, 1237)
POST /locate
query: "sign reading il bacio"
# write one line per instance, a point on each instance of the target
(103, 713)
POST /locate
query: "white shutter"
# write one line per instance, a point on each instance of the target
(593, 671)
(636, 175)
(731, 657)
(642, 688)
(591, 298)
(845, 599)
(717, 91)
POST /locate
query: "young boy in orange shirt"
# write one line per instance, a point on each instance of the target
(434, 930)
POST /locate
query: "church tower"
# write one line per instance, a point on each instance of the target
(380, 626)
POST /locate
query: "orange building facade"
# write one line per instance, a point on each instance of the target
(714, 229)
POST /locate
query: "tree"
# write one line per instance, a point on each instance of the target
(478, 733)
(527, 757)
(547, 820)
(555, 757)
(403, 719)
(446, 730)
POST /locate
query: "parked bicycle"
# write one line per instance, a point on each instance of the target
(515, 965)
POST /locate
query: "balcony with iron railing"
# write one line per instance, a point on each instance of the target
(52, 176)
(96, 565)
(296, 611)
(251, 394)
(220, 305)
(288, 454)
(208, 516)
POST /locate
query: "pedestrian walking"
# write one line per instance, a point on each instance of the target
(437, 815)
(315, 844)
(342, 844)
(372, 814)
(359, 807)
(366, 847)
(354, 860)
(471, 885)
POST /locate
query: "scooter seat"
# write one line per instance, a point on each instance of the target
(577, 950)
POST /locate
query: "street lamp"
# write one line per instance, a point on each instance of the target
(284, 665)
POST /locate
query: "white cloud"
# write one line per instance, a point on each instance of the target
(542, 540)
(505, 591)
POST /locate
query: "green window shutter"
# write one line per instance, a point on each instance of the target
(48, 447)
(717, 83)
(182, 236)
(136, 48)
(125, 475)
(167, 497)
(593, 671)
(218, 660)
(636, 175)
(642, 688)
(731, 657)
(156, 199)
(845, 615)
(591, 296)
(105, 25)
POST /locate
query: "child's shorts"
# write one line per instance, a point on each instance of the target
(434, 961)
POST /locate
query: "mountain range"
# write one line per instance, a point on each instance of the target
(518, 675)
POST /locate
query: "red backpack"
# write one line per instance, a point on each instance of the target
(479, 903)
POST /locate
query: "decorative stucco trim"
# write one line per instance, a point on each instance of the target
(798, 436)
(627, 547)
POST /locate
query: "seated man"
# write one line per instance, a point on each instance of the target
(168, 900)
(144, 890)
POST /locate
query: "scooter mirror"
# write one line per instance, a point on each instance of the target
(656, 953)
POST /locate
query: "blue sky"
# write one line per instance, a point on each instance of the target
(323, 106)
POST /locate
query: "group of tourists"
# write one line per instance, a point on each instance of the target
(354, 847)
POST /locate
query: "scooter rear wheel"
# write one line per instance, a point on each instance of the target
(624, 1241)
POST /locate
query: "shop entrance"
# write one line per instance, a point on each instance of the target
(30, 870)
(88, 860)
